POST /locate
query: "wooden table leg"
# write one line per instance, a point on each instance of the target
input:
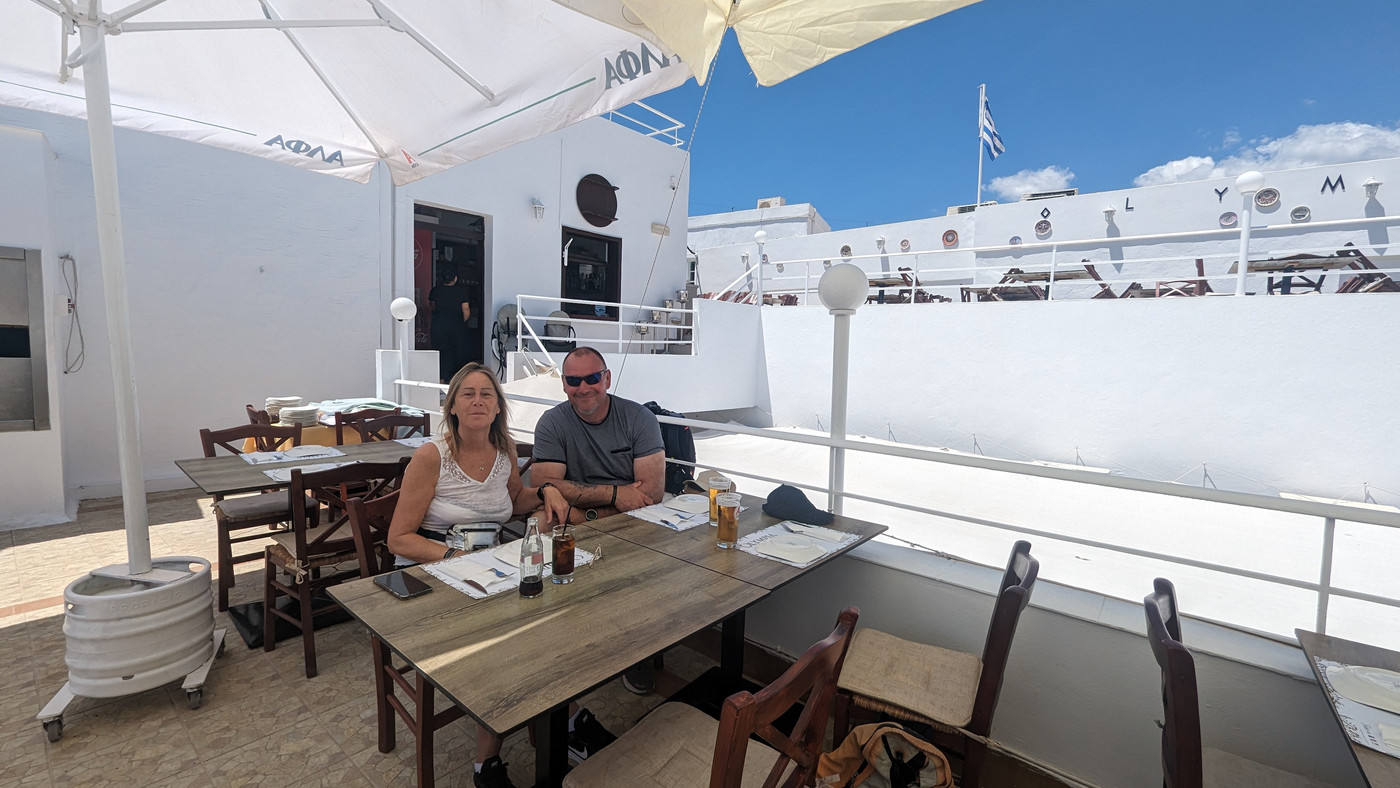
(731, 649)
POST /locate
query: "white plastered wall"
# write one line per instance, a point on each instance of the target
(31, 463)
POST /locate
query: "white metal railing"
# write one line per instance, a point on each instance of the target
(527, 334)
(1329, 513)
(665, 129)
(1064, 264)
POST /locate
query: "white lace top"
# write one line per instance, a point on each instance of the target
(461, 499)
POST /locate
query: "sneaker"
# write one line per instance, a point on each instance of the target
(492, 774)
(639, 679)
(588, 736)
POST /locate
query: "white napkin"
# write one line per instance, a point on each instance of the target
(676, 520)
(816, 532)
(312, 451)
(285, 474)
(475, 574)
(414, 442)
(793, 549)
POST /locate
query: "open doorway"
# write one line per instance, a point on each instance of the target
(449, 265)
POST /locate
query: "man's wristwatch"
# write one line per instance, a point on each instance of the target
(590, 515)
(540, 491)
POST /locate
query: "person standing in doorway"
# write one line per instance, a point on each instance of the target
(452, 308)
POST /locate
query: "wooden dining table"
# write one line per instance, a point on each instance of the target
(507, 661)
(1377, 769)
(228, 474)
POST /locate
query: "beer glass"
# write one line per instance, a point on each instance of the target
(728, 535)
(563, 554)
(718, 484)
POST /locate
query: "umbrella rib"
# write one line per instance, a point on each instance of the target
(396, 22)
(334, 91)
(508, 115)
(130, 107)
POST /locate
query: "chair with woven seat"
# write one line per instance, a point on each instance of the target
(891, 676)
(369, 523)
(672, 745)
(346, 419)
(311, 554)
(242, 512)
(1185, 763)
(392, 427)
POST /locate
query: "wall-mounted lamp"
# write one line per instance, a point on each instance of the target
(780, 268)
(1371, 186)
(880, 242)
(745, 257)
(537, 207)
(1108, 214)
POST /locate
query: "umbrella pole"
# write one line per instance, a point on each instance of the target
(109, 239)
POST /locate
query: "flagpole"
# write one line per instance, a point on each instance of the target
(981, 101)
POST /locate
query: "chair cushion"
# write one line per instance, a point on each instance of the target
(1221, 769)
(342, 540)
(670, 748)
(260, 507)
(934, 682)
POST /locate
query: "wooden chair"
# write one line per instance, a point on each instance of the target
(248, 511)
(392, 427)
(308, 549)
(1013, 288)
(1365, 283)
(671, 745)
(1187, 287)
(959, 702)
(369, 523)
(1105, 291)
(1185, 763)
(256, 416)
(344, 419)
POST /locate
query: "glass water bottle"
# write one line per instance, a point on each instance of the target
(532, 560)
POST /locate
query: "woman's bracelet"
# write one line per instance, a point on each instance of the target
(451, 552)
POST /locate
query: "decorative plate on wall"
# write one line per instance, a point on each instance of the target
(1300, 214)
(1266, 197)
(1015, 240)
(846, 251)
(1228, 219)
(950, 238)
(1042, 227)
(904, 245)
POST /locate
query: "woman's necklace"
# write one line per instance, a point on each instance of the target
(485, 458)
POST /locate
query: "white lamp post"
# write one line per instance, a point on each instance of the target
(1247, 184)
(403, 309)
(760, 238)
(843, 288)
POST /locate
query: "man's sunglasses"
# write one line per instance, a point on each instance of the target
(574, 381)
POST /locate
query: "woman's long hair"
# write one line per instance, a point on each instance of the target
(500, 430)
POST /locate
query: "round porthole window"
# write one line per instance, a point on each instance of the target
(597, 200)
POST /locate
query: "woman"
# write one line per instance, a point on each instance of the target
(468, 474)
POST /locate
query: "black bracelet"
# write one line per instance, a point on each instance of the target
(540, 491)
(613, 501)
(451, 551)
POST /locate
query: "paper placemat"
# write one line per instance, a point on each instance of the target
(759, 544)
(1368, 726)
(307, 452)
(666, 517)
(285, 474)
(477, 566)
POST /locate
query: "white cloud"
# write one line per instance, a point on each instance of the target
(1309, 146)
(1232, 137)
(1011, 187)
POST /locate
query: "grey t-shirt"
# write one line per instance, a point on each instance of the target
(598, 453)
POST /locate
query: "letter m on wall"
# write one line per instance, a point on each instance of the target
(1330, 185)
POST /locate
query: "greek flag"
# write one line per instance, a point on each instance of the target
(991, 140)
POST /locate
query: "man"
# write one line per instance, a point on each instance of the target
(598, 455)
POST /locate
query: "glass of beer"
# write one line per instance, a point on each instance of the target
(718, 484)
(728, 534)
(563, 551)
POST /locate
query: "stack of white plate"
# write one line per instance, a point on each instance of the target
(274, 405)
(305, 416)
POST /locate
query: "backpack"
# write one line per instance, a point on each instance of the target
(884, 755)
(680, 445)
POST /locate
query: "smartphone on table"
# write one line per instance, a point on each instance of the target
(402, 585)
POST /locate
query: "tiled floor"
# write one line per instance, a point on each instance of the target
(262, 722)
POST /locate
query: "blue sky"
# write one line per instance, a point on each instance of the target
(1087, 93)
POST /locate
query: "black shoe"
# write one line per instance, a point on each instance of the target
(492, 774)
(588, 736)
(639, 679)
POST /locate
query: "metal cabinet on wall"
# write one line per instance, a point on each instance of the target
(24, 387)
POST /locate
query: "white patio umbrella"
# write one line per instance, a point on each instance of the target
(780, 38)
(334, 86)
